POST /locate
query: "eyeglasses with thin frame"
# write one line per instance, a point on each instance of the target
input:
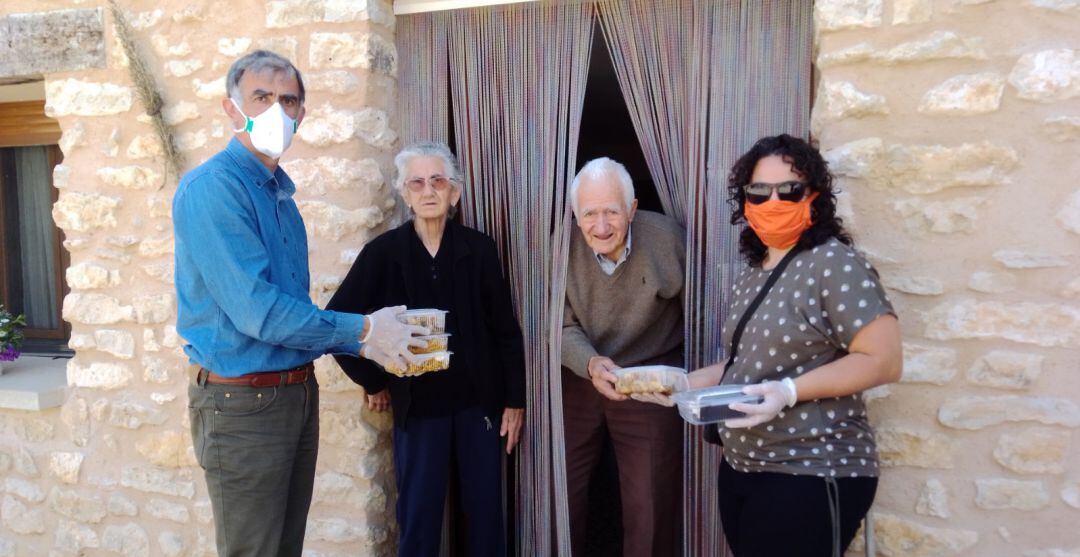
(438, 183)
(760, 192)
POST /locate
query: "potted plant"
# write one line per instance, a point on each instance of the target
(11, 336)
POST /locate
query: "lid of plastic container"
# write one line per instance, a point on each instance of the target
(708, 395)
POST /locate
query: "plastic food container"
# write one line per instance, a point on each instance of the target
(650, 379)
(433, 319)
(426, 363)
(710, 405)
(435, 343)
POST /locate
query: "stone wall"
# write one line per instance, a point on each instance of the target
(953, 126)
(112, 471)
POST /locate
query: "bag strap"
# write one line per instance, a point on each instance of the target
(773, 277)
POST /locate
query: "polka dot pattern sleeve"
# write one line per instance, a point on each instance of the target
(848, 294)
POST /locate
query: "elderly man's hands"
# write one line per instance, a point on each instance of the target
(380, 401)
(512, 419)
(600, 368)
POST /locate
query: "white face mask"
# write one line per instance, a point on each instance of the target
(271, 132)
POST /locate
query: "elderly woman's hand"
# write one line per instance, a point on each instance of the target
(512, 420)
(380, 401)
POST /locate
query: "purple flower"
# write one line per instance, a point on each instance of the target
(8, 354)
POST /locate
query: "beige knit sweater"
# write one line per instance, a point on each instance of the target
(635, 314)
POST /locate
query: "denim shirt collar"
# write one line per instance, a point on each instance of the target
(277, 183)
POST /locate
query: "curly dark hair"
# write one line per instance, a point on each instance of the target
(808, 163)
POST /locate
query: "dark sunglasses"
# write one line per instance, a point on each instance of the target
(760, 192)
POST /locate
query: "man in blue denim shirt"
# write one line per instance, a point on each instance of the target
(243, 307)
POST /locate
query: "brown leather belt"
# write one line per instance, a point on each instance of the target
(260, 378)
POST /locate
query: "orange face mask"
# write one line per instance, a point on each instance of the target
(779, 223)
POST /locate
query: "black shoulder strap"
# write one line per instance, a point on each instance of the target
(773, 277)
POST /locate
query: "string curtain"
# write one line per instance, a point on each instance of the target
(703, 80)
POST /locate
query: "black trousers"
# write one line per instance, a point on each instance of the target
(767, 514)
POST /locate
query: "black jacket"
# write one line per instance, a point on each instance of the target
(488, 342)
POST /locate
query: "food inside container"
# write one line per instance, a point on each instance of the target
(433, 343)
(433, 319)
(710, 405)
(650, 380)
(425, 363)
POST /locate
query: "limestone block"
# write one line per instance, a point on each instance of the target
(834, 15)
(159, 206)
(923, 169)
(19, 519)
(1065, 6)
(234, 47)
(1025, 259)
(1071, 493)
(941, 217)
(290, 13)
(335, 489)
(907, 12)
(171, 544)
(24, 490)
(912, 284)
(965, 95)
(1061, 128)
(353, 50)
(904, 446)
(162, 398)
(940, 45)
(372, 125)
(125, 241)
(1069, 214)
(167, 510)
(72, 136)
(46, 41)
(189, 14)
(348, 256)
(191, 141)
(933, 500)
(341, 82)
(76, 211)
(167, 449)
(162, 370)
(76, 506)
(163, 48)
(129, 540)
(5, 462)
(98, 375)
(89, 276)
(65, 466)
(75, 414)
(843, 100)
(1033, 451)
(117, 343)
(153, 480)
(927, 364)
(34, 430)
(324, 220)
(283, 45)
(183, 68)
(858, 53)
(362, 10)
(992, 283)
(164, 273)
(1002, 494)
(1047, 76)
(133, 415)
(171, 339)
(344, 426)
(119, 505)
(315, 176)
(897, 537)
(210, 90)
(1030, 323)
(331, 378)
(977, 412)
(73, 97)
(203, 513)
(1005, 369)
(154, 308)
(326, 126)
(857, 159)
(24, 463)
(1072, 289)
(131, 177)
(75, 538)
(339, 530)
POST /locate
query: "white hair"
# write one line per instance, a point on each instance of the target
(427, 149)
(600, 168)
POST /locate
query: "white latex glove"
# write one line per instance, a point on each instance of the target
(654, 398)
(778, 395)
(391, 337)
(372, 353)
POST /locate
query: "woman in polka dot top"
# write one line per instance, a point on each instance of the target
(800, 470)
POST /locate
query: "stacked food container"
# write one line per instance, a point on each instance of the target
(433, 356)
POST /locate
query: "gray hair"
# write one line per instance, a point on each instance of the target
(599, 168)
(259, 61)
(427, 149)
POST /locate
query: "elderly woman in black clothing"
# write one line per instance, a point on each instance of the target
(459, 413)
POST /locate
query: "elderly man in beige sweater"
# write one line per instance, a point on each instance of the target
(624, 307)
